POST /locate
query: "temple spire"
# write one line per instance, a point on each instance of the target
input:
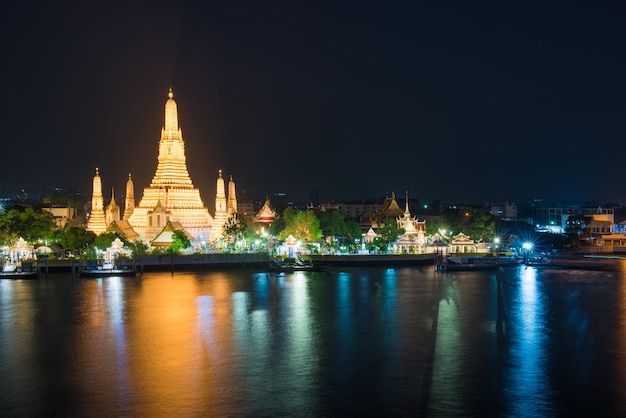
(232, 197)
(96, 222)
(407, 202)
(171, 115)
(129, 204)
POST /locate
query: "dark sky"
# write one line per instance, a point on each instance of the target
(458, 101)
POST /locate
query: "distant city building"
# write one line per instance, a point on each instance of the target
(62, 215)
(246, 209)
(508, 211)
(554, 219)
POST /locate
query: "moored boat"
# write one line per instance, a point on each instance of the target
(23, 270)
(296, 264)
(107, 269)
(466, 263)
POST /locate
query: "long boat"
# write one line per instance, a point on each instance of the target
(108, 270)
(468, 263)
(296, 264)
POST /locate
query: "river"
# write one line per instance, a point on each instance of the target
(390, 342)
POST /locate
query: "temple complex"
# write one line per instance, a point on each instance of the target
(97, 222)
(171, 202)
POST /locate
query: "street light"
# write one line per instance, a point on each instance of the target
(527, 246)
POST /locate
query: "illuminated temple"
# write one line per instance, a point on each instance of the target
(171, 196)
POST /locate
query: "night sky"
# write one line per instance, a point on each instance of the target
(458, 101)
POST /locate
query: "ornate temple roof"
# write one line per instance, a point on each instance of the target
(123, 228)
(165, 238)
(266, 215)
(389, 209)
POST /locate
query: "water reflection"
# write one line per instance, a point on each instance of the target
(358, 342)
(525, 380)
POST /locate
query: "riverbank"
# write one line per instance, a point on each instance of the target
(365, 260)
(221, 261)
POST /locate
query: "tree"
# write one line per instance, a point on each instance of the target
(387, 234)
(482, 226)
(235, 228)
(332, 223)
(31, 224)
(104, 241)
(138, 247)
(180, 241)
(303, 225)
(77, 239)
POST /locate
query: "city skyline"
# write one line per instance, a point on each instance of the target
(465, 103)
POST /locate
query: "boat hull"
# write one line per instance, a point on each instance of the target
(95, 273)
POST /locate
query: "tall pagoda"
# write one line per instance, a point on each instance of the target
(96, 222)
(171, 194)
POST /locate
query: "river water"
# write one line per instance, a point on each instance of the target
(351, 342)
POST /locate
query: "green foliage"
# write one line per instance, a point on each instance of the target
(303, 225)
(104, 241)
(482, 226)
(332, 223)
(138, 247)
(353, 230)
(77, 239)
(180, 242)
(388, 233)
(31, 224)
(235, 228)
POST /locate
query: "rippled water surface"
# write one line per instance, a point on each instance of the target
(351, 342)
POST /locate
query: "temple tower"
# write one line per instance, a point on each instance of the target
(171, 193)
(112, 213)
(232, 197)
(129, 204)
(221, 210)
(96, 223)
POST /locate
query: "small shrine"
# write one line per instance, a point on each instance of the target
(21, 251)
(116, 250)
(462, 243)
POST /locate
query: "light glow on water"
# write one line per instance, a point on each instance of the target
(358, 342)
